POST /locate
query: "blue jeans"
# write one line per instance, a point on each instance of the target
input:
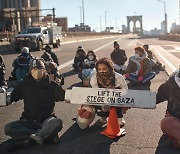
(22, 129)
(133, 78)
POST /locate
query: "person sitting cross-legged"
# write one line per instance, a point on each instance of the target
(38, 122)
(139, 71)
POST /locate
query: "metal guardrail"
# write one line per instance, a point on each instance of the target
(8, 36)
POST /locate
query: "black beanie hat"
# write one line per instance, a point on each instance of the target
(37, 63)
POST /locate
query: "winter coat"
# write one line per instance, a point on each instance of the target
(89, 64)
(79, 59)
(119, 57)
(149, 54)
(132, 67)
(22, 63)
(54, 57)
(39, 97)
(170, 91)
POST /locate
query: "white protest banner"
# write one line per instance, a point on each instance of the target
(113, 97)
(2, 99)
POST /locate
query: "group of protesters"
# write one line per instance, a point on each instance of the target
(39, 85)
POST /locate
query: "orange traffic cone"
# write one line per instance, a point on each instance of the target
(113, 129)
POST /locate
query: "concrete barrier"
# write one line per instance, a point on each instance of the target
(175, 38)
(6, 46)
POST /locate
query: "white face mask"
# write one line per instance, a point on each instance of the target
(136, 55)
(37, 74)
(90, 57)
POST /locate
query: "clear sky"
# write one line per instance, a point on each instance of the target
(152, 11)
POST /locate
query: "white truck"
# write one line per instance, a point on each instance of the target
(38, 35)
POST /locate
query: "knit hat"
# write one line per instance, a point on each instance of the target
(25, 50)
(37, 63)
(106, 61)
(47, 48)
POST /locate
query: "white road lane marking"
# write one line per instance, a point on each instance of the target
(95, 50)
(85, 40)
(158, 51)
(133, 43)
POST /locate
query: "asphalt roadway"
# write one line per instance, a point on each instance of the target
(142, 126)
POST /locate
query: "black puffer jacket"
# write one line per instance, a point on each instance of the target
(119, 57)
(39, 97)
(170, 92)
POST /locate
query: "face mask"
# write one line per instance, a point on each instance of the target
(38, 74)
(136, 55)
(90, 57)
(104, 74)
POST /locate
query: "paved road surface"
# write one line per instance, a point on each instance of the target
(143, 126)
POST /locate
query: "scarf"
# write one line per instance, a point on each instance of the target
(137, 61)
(106, 80)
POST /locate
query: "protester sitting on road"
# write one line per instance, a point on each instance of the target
(104, 78)
(47, 58)
(139, 71)
(3, 85)
(54, 74)
(118, 56)
(53, 55)
(155, 65)
(21, 64)
(38, 122)
(89, 65)
(170, 91)
(79, 59)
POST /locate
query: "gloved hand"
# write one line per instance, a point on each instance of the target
(140, 78)
(83, 113)
(105, 108)
(126, 75)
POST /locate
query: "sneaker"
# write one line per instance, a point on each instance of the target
(122, 122)
(17, 145)
(38, 139)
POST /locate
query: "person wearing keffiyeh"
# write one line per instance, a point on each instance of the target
(139, 70)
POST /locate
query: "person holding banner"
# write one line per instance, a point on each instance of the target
(38, 122)
(170, 91)
(105, 77)
(139, 70)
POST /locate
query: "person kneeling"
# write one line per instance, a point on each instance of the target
(38, 122)
(139, 71)
(170, 91)
(105, 77)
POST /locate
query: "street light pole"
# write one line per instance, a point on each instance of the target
(100, 23)
(80, 13)
(106, 19)
(165, 14)
(83, 12)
